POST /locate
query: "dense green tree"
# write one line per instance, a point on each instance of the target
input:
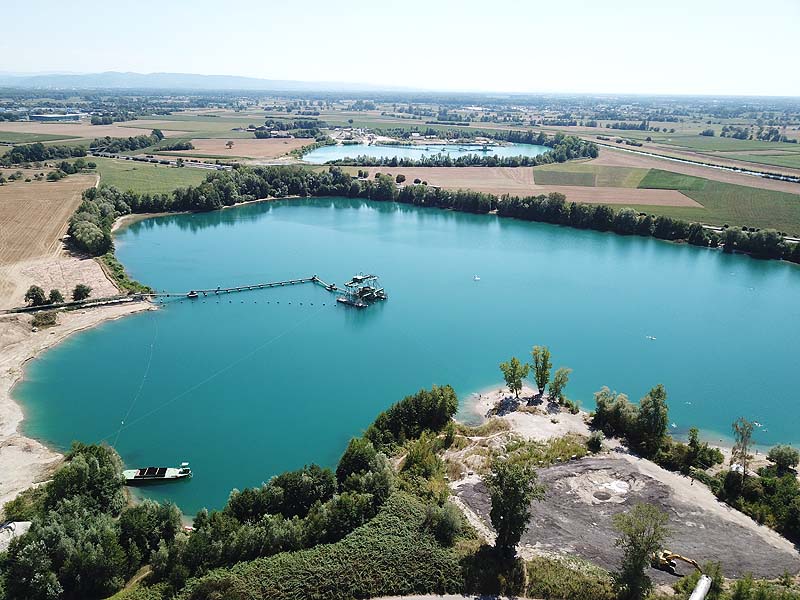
(81, 292)
(35, 296)
(55, 297)
(513, 373)
(643, 532)
(743, 442)
(652, 420)
(408, 419)
(93, 472)
(541, 367)
(357, 458)
(30, 572)
(512, 488)
(731, 239)
(698, 236)
(626, 221)
(784, 457)
(560, 379)
(144, 526)
(614, 414)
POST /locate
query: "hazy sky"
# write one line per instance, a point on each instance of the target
(639, 46)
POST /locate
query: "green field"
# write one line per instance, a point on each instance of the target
(19, 137)
(703, 143)
(145, 177)
(553, 177)
(726, 203)
(588, 175)
(722, 202)
(667, 180)
(778, 160)
(198, 126)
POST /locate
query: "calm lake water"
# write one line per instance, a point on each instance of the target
(328, 153)
(248, 385)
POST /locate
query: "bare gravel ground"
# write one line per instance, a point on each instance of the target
(576, 517)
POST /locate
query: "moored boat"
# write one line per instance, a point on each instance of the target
(149, 475)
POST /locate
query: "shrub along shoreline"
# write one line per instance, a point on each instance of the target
(90, 227)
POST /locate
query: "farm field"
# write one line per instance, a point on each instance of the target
(686, 143)
(588, 174)
(519, 181)
(242, 148)
(34, 214)
(33, 219)
(659, 192)
(621, 158)
(75, 130)
(145, 177)
(704, 144)
(187, 126)
(742, 206)
(18, 137)
(782, 159)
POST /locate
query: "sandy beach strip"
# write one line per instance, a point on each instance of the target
(25, 461)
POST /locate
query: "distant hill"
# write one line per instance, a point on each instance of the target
(172, 81)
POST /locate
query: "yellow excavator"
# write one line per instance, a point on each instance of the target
(665, 561)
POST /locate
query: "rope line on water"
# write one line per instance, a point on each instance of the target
(201, 383)
(144, 378)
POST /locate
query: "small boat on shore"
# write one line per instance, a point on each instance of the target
(149, 475)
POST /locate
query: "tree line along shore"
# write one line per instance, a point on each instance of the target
(90, 227)
(382, 522)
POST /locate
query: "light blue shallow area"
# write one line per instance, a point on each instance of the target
(248, 385)
(328, 153)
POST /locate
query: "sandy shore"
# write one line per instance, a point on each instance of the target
(547, 422)
(24, 461)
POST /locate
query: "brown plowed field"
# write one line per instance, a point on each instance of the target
(246, 148)
(518, 181)
(33, 219)
(33, 216)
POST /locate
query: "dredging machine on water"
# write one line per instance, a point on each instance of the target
(361, 291)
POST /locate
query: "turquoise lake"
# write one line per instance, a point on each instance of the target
(328, 153)
(247, 385)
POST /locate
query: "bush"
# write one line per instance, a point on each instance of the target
(595, 443)
(357, 458)
(81, 292)
(393, 554)
(686, 585)
(554, 578)
(25, 506)
(289, 494)
(445, 523)
(46, 318)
